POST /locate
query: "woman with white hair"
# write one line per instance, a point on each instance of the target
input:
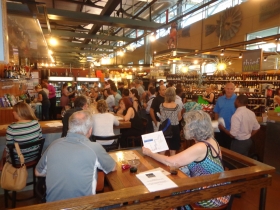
(203, 158)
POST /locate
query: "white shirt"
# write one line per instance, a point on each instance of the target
(178, 101)
(102, 125)
(243, 122)
(149, 103)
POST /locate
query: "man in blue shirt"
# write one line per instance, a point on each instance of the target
(225, 108)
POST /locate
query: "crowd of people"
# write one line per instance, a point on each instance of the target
(159, 103)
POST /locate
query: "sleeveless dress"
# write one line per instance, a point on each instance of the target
(208, 96)
(209, 165)
(135, 130)
(64, 100)
(174, 143)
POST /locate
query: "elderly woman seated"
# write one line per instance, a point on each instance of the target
(103, 122)
(203, 158)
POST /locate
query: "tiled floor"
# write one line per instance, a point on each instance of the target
(248, 200)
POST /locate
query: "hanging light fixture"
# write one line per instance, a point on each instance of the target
(240, 55)
(53, 41)
(153, 37)
(222, 65)
(222, 52)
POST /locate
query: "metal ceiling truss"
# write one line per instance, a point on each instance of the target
(106, 30)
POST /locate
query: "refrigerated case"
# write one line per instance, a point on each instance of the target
(88, 81)
(57, 82)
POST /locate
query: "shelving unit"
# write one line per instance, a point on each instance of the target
(15, 87)
(258, 100)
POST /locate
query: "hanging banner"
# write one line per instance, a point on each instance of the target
(4, 45)
(252, 60)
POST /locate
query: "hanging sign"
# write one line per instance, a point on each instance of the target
(4, 42)
(252, 60)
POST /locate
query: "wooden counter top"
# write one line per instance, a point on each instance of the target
(58, 129)
(251, 175)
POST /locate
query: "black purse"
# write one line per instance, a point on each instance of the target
(142, 112)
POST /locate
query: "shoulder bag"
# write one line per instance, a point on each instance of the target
(166, 128)
(141, 111)
(14, 178)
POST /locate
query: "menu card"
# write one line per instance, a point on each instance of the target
(156, 181)
(155, 141)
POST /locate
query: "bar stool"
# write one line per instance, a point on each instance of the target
(133, 139)
(113, 146)
(196, 207)
(223, 207)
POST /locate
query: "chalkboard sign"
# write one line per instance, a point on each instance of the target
(252, 60)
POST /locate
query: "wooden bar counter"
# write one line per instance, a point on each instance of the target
(51, 133)
(47, 129)
(249, 175)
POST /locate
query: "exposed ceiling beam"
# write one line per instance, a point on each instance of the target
(92, 46)
(107, 11)
(69, 50)
(86, 3)
(80, 17)
(88, 36)
(32, 5)
(86, 18)
(18, 9)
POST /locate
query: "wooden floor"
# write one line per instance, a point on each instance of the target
(248, 200)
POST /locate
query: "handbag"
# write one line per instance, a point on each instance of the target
(166, 128)
(14, 178)
(142, 112)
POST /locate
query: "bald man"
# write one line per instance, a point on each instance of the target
(225, 108)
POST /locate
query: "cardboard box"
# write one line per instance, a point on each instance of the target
(273, 115)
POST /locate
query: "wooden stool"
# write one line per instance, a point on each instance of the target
(196, 207)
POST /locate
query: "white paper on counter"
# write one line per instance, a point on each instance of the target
(119, 118)
(54, 124)
(123, 155)
(166, 173)
(156, 181)
(155, 141)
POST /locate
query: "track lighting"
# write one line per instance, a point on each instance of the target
(222, 52)
(240, 55)
(265, 58)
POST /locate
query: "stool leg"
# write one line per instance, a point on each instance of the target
(14, 194)
(133, 142)
(6, 197)
(34, 182)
